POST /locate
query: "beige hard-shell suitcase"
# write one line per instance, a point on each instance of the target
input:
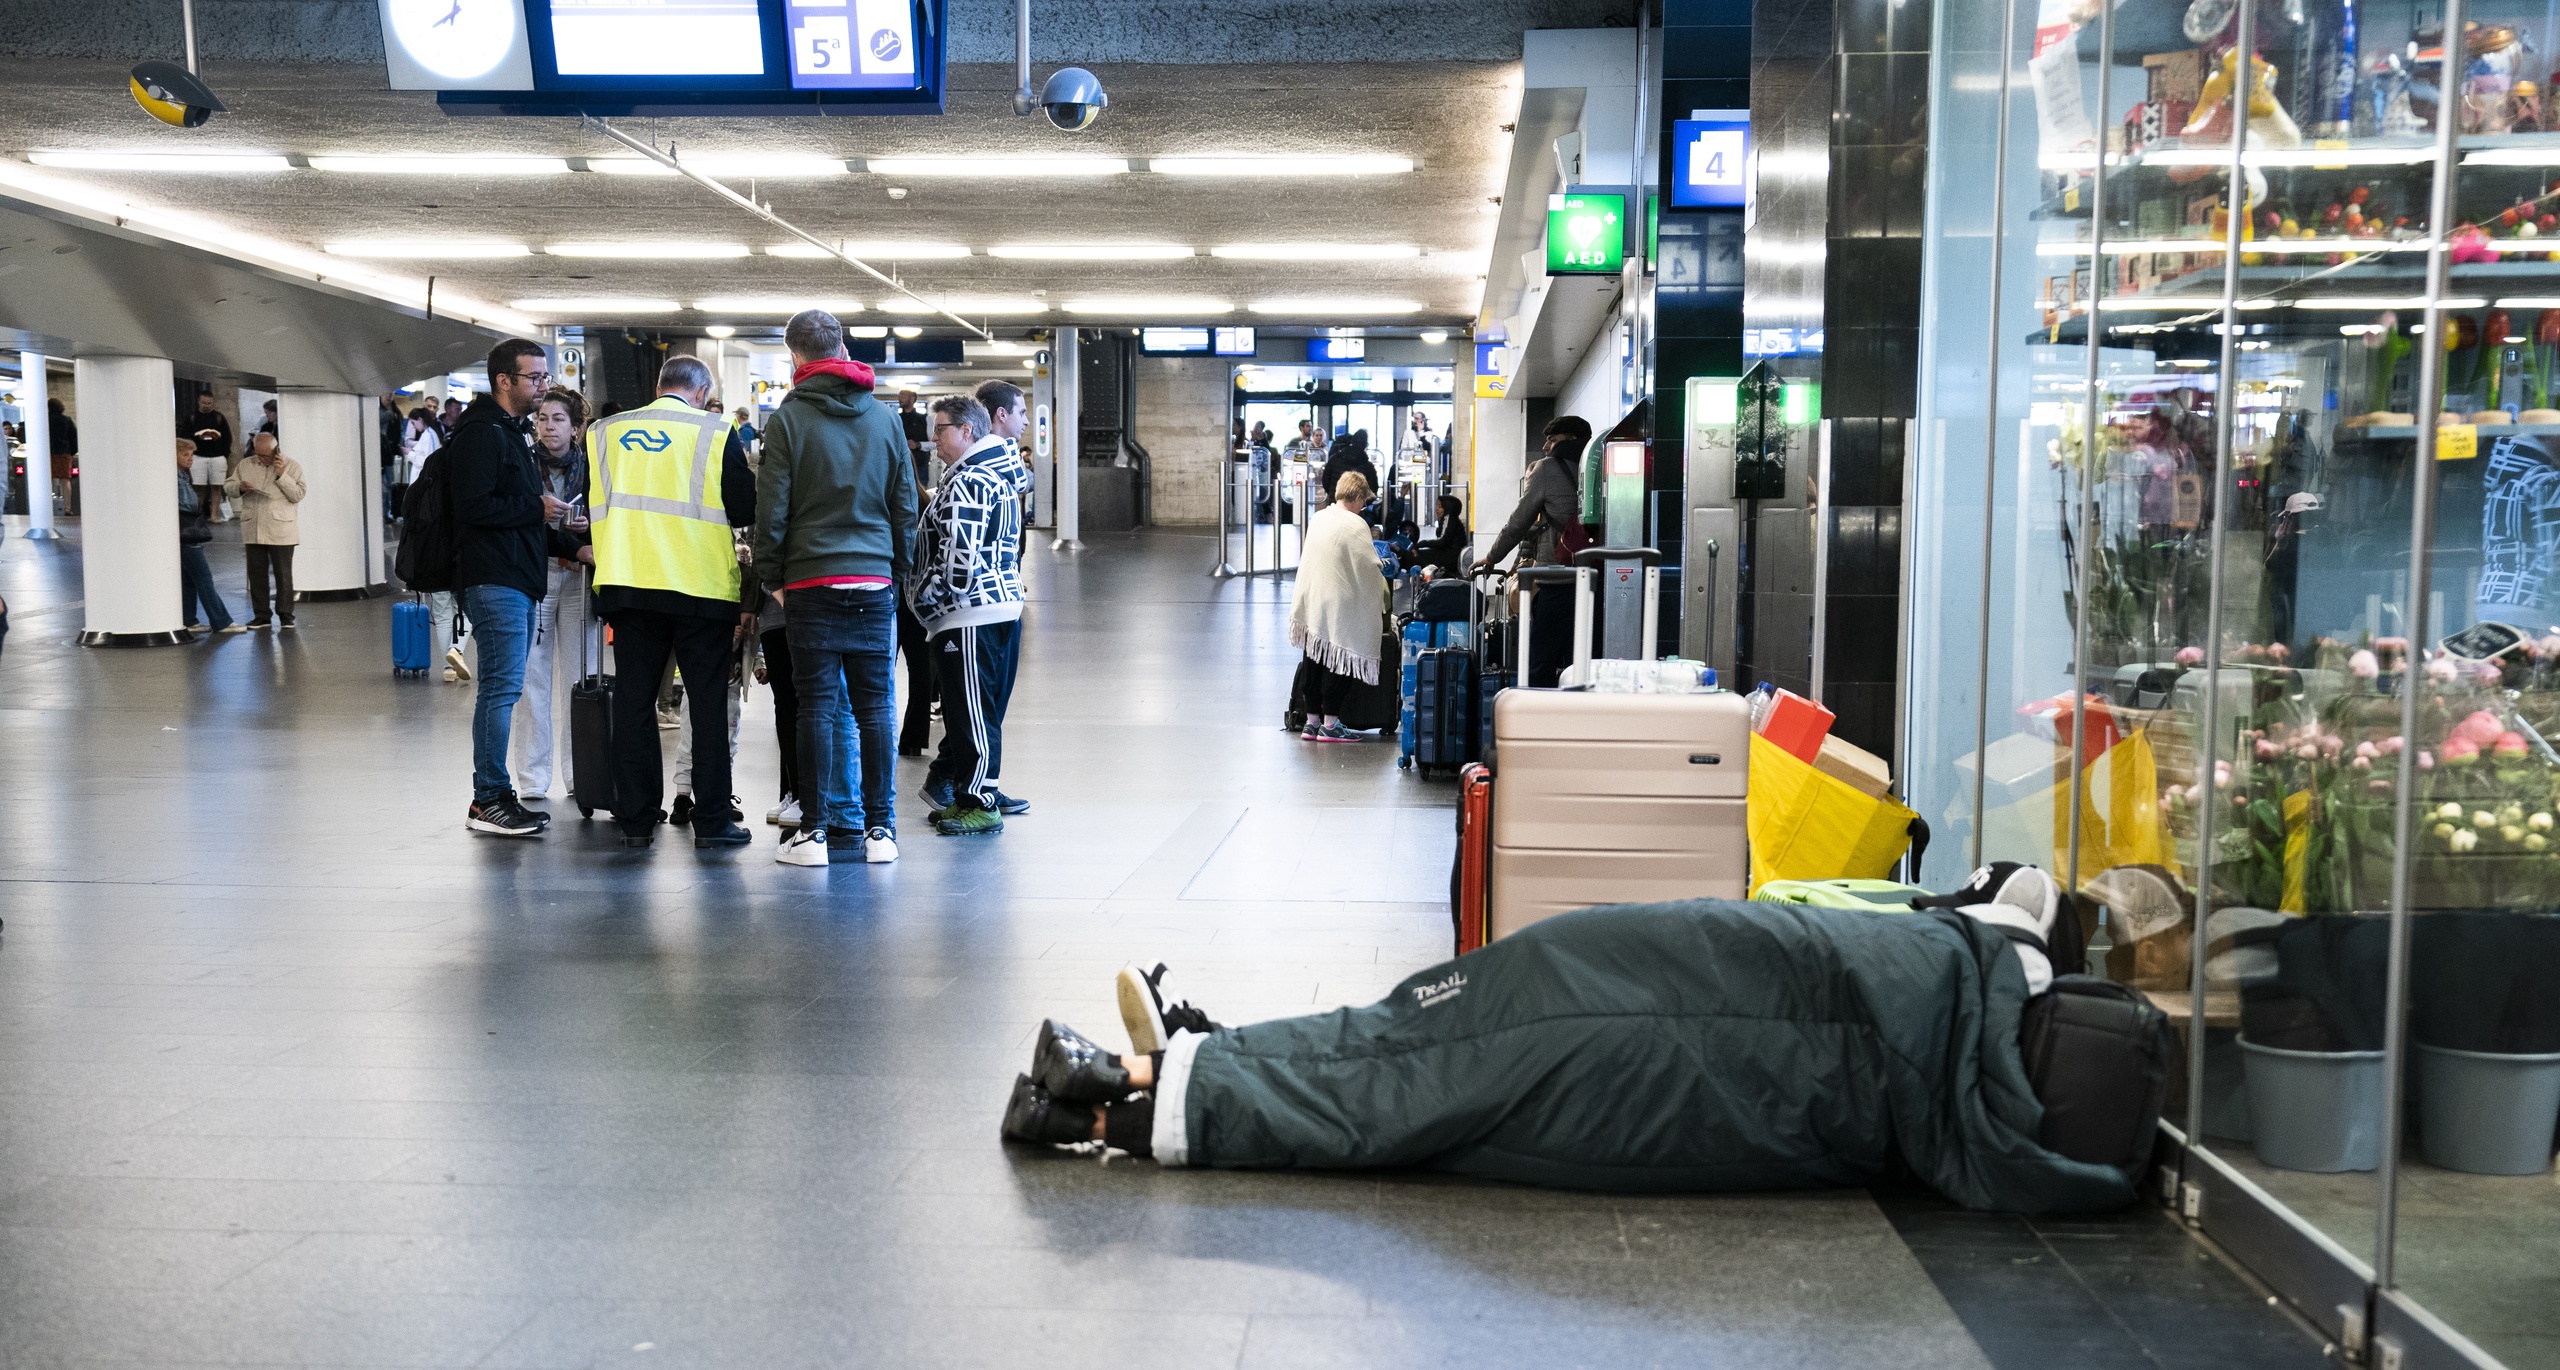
(1616, 799)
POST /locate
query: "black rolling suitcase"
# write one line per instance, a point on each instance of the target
(591, 731)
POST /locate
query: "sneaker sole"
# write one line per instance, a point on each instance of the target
(872, 858)
(949, 831)
(787, 859)
(1138, 1012)
(501, 830)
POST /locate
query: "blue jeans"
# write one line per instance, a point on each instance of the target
(502, 619)
(842, 644)
(195, 581)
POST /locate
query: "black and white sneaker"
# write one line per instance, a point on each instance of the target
(1145, 1014)
(806, 847)
(504, 817)
(1032, 1116)
(1075, 1070)
(2025, 904)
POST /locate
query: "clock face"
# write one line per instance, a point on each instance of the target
(456, 40)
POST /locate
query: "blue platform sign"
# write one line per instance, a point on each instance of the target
(1710, 160)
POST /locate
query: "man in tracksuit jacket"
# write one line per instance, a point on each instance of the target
(968, 594)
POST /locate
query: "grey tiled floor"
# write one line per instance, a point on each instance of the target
(293, 1071)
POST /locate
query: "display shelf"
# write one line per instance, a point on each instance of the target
(2487, 430)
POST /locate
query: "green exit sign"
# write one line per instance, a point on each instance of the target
(1586, 235)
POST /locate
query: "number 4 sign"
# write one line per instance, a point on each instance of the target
(1710, 161)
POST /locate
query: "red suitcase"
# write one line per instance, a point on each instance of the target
(1475, 830)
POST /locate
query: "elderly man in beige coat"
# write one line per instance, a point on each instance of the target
(266, 487)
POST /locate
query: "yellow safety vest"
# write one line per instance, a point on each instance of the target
(653, 494)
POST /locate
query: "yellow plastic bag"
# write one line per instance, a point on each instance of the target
(1807, 826)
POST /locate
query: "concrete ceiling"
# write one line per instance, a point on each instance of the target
(1311, 98)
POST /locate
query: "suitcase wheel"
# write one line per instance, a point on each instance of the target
(1404, 763)
(585, 812)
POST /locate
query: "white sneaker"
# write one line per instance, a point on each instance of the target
(785, 814)
(879, 847)
(807, 847)
(449, 676)
(455, 668)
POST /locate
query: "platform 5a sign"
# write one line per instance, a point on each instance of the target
(1586, 234)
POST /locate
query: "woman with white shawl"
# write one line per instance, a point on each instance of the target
(1339, 616)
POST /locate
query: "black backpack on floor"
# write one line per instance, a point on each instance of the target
(2098, 1056)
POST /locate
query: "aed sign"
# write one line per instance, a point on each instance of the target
(1586, 234)
(1709, 160)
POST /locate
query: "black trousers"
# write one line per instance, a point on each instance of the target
(915, 725)
(1332, 689)
(1550, 646)
(703, 648)
(264, 559)
(976, 668)
(786, 706)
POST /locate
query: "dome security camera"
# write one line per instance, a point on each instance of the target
(171, 94)
(1073, 99)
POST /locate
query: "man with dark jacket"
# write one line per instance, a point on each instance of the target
(1550, 505)
(835, 531)
(504, 526)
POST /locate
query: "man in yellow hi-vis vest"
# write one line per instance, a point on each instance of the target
(666, 484)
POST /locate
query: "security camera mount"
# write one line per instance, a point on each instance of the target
(1067, 86)
(170, 93)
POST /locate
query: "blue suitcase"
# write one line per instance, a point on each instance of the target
(412, 634)
(1444, 698)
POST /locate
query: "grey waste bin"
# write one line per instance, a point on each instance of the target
(2486, 1113)
(2315, 1110)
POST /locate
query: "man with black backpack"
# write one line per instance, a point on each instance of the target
(479, 522)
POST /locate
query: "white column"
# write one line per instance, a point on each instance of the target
(39, 445)
(329, 435)
(1069, 386)
(128, 501)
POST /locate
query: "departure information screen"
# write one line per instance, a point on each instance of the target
(1176, 342)
(852, 44)
(657, 37)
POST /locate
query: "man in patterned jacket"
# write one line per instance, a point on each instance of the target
(968, 593)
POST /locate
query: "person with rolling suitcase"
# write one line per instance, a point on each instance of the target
(591, 726)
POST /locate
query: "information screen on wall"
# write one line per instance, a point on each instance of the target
(1196, 342)
(1710, 160)
(1586, 234)
(668, 57)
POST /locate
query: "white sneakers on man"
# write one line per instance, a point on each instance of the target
(806, 847)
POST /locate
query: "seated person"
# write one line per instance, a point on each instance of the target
(1705, 1045)
(1446, 548)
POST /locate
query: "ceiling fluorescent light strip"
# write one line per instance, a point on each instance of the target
(443, 166)
(198, 162)
(996, 304)
(1316, 252)
(429, 248)
(773, 167)
(997, 166)
(649, 251)
(1091, 252)
(1280, 166)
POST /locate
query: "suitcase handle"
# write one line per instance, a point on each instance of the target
(1596, 557)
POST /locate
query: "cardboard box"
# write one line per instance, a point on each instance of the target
(1855, 767)
(1796, 725)
(2174, 75)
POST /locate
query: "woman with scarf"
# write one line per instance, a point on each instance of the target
(1339, 616)
(560, 620)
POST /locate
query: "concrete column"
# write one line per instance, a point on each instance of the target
(128, 502)
(39, 445)
(1068, 383)
(332, 438)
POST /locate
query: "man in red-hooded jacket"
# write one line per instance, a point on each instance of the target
(835, 525)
